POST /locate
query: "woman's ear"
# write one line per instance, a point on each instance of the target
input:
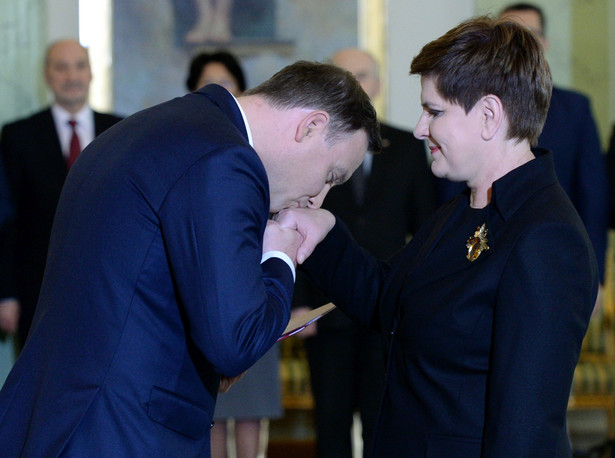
(492, 115)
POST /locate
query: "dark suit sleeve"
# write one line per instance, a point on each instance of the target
(6, 228)
(537, 334)
(213, 222)
(10, 177)
(347, 274)
(6, 204)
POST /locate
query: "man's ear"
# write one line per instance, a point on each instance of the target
(492, 112)
(312, 123)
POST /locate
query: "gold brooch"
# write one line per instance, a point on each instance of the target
(477, 244)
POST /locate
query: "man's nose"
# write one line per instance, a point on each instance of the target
(316, 201)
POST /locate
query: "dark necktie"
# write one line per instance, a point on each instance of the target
(75, 147)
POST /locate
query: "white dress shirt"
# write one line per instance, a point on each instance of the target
(84, 127)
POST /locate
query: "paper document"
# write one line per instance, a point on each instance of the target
(299, 323)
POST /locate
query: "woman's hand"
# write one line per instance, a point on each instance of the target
(278, 238)
(312, 224)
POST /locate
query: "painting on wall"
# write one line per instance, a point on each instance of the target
(154, 40)
(202, 22)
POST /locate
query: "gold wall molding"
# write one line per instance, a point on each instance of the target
(372, 38)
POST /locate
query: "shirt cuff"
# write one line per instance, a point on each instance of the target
(283, 256)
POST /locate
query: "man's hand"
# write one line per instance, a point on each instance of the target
(312, 224)
(278, 238)
(9, 316)
(227, 382)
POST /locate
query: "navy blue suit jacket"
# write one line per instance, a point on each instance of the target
(480, 354)
(570, 132)
(154, 287)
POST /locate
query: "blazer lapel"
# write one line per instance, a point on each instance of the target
(420, 265)
(452, 258)
(49, 141)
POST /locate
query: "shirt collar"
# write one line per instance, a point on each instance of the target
(82, 117)
(245, 121)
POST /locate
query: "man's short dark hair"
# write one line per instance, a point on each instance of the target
(324, 87)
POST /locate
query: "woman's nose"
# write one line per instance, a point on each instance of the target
(421, 130)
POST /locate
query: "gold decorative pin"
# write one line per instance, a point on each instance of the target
(478, 243)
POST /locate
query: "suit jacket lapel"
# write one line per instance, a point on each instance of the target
(102, 123)
(424, 266)
(417, 262)
(49, 141)
(434, 267)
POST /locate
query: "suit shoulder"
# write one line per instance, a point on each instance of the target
(394, 136)
(34, 119)
(107, 118)
(569, 98)
(111, 116)
(389, 130)
(401, 144)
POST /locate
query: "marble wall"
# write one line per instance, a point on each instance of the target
(22, 42)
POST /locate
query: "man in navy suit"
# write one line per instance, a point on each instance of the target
(570, 132)
(159, 284)
(36, 152)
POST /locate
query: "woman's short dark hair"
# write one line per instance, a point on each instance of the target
(483, 56)
(198, 63)
(324, 87)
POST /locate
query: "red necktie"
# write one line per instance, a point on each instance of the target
(74, 148)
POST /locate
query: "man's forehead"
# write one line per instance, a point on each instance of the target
(66, 52)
